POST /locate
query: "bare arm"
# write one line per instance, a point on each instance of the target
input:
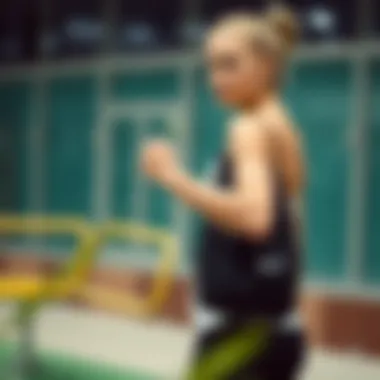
(245, 209)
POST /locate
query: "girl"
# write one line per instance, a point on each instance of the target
(247, 267)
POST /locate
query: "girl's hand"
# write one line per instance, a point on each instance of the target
(159, 161)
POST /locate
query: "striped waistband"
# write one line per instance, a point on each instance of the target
(207, 319)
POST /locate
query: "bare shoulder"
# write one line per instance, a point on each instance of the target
(246, 134)
(287, 148)
(280, 123)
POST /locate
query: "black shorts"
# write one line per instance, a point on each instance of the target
(248, 351)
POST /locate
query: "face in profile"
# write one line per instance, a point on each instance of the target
(237, 74)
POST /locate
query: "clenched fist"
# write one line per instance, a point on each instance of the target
(159, 161)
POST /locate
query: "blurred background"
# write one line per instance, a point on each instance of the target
(82, 84)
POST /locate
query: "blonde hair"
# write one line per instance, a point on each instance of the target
(275, 31)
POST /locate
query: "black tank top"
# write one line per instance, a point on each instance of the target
(243, 277)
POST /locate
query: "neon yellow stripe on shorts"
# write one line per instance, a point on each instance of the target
(233, 353)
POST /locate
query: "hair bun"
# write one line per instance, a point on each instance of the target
(286, 24)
